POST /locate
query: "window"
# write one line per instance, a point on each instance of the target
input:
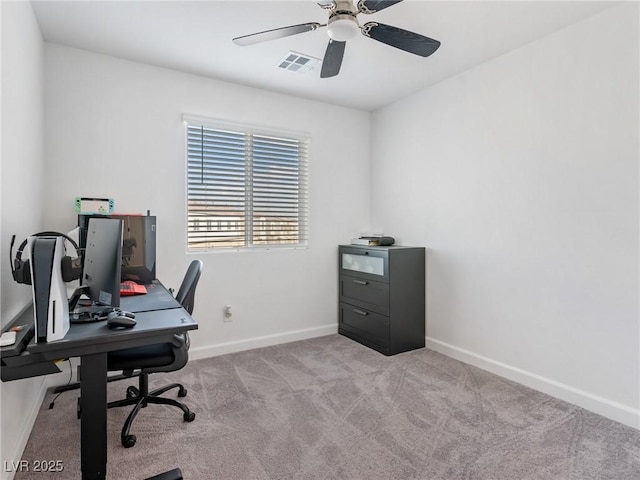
(245, 188)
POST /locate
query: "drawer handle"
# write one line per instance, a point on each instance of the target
(360, 312)
(361, 282)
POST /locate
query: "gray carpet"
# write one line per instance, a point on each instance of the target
(329, 408)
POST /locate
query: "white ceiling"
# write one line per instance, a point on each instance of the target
(196, 37)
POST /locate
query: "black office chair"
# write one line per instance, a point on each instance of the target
(164, 357)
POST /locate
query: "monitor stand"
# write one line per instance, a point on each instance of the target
(86, 313)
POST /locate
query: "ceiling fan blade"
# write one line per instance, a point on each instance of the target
(402, 39)
(373, 6)
(332, 59)
(276, 33)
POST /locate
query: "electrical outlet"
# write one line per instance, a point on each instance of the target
(227, 314)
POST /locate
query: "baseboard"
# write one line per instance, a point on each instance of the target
(19, 442)
(602, 406)
(196, 353)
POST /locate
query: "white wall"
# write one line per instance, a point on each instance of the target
(114, 128)
(22, 159)
(22, 140)
(521, 178)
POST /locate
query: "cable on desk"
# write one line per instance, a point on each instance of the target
(51, 405)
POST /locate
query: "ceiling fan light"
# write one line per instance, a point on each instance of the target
(342, 28)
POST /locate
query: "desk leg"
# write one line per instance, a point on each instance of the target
(93, 428)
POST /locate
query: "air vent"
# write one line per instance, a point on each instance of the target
(298, 62)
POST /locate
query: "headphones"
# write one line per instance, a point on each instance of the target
(21, 269)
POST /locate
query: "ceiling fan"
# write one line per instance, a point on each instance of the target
(343, 25)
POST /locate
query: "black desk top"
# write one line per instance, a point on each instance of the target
(96, 337)
(158, 317)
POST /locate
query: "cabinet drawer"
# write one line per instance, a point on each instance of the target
(371, 263)
(366, 293)
(369, 325)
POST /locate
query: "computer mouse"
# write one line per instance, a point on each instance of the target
(120, 321)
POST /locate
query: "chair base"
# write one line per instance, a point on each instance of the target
(141, 397)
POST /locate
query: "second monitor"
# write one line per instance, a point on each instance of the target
(102, 270)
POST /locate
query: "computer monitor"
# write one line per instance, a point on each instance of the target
(138, 247)
(100, 279)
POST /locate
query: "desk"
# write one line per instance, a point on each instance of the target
(91, 342)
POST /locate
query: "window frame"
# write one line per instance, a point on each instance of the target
(303, 209)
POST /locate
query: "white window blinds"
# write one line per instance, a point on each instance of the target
(245, 189)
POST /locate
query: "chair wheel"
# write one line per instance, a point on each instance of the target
(132, 392)
(189, 417)
(128, 441)
(182, 392)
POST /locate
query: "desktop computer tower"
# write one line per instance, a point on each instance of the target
(138, 245)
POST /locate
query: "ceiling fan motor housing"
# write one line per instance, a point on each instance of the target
(343, 25)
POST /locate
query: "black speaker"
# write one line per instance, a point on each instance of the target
(21, 269)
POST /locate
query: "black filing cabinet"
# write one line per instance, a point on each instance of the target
(382, 296)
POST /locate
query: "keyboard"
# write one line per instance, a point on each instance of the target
(129, 287)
